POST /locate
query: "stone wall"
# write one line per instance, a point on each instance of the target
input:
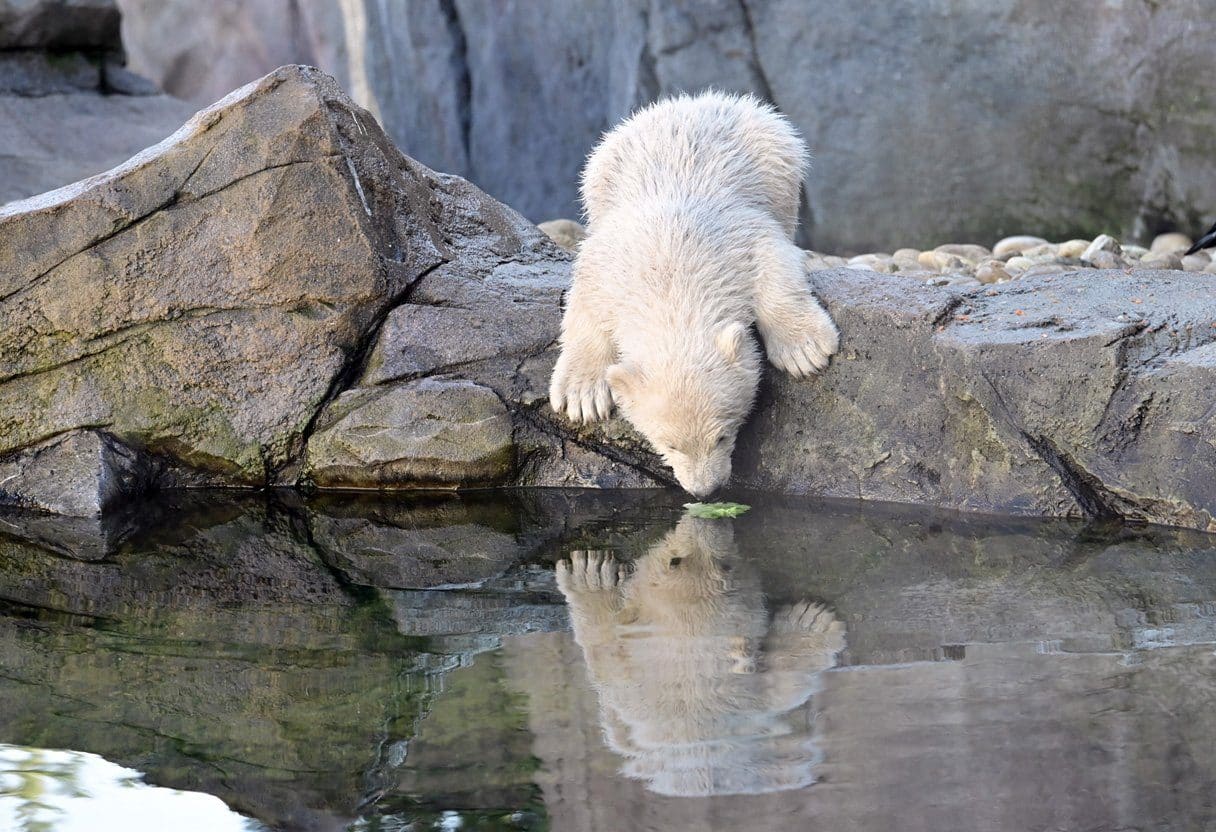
(943, 120)
(68, 108)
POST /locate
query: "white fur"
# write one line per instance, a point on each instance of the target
(692, 205)
(699, 690)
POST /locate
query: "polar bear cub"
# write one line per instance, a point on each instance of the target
(691, 205)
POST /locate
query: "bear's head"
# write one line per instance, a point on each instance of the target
(691, 402)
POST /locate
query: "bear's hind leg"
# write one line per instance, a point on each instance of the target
(798, 333)
(579, 385)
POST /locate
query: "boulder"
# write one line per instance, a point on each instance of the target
(79, 474)
(201, 300)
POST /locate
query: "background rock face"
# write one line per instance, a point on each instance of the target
(959, 121)
(59, 24)
(68, 109)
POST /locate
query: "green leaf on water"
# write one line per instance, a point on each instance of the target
(713, 511)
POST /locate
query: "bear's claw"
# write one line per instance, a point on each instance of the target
(582, 403)
(806, 356)
(591, 570)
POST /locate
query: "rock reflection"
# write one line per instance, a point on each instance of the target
(700, 689)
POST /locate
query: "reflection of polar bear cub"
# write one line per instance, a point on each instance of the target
(698, 689)
(691, 206)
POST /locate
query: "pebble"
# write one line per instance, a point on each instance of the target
(1159, 260)
(1107, 260)
(941, 261)
(874, 262)
(1103, 242)
(1010, 246)
(1048, 251)
(1072, 248)
(566, 233)
(1023, 255)
(1196, 262)
(991, 271)
(1171, 243)
(966, 252)
(816, 262)
(905, 258)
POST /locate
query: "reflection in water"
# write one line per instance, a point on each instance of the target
(699, 689)
(408, 663)
(68, 791)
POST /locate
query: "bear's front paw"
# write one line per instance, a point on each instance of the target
(590, 571)
(807, 352)
(582, 400)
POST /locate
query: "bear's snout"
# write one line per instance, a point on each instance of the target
(703, 480)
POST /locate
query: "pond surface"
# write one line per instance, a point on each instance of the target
(595, 661)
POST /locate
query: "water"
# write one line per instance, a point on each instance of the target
(216, 663)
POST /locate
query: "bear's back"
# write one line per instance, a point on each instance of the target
(726, 147)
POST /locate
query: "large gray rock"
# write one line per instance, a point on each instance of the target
(1070, 394)
(207, 300)
(935, 122)
(201, 299)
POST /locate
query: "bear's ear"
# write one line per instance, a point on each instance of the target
(623, 380)
(730, 340)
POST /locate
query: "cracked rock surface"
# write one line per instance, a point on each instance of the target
(277, 296)
(1085, 393)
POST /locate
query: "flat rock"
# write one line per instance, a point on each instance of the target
(64, 135)
(431, 432)
(1053, 395)
(79, 474)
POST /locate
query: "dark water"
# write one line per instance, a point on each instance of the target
(416, 664)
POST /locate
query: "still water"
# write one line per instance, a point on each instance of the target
(592, 661)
